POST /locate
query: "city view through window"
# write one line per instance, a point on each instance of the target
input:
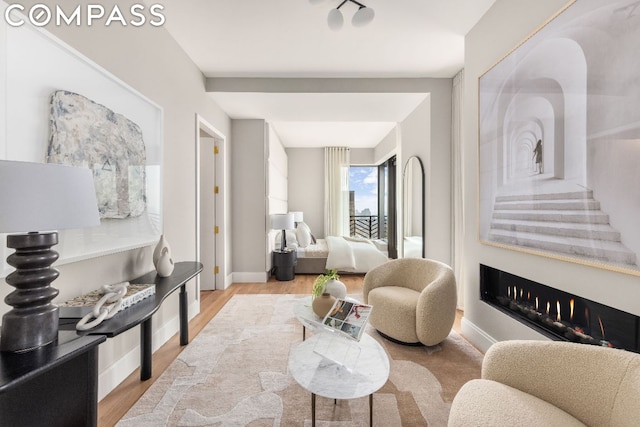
(363, 201)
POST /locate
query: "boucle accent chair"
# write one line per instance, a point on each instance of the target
(551, 383)
(414, 300)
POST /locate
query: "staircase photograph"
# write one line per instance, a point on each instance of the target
(566, 223)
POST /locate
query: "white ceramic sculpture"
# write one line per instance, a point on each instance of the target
(157, 252)
(165, 264)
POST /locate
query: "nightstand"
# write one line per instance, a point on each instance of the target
(284, 263)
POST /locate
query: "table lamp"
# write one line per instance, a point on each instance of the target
(282, 222)
(297, 217)
(37, 197)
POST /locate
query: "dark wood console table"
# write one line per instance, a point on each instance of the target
(55, 385)
(141, 313)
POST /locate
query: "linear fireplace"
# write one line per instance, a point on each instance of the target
(557, 314)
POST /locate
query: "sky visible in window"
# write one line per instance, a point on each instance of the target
(363, 181)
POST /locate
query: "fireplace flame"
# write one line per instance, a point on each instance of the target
(558, 311)
(571, 305)
(515, 293)
(548, 307)
(537, 308)
(586, 316)
(601, 326)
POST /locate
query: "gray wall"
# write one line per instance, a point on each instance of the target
(505, 25)
(306, 186)
(248, 200)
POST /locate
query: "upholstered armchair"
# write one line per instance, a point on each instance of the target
(414, 300)
(551, 383)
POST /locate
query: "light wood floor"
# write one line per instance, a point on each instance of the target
(121, 399)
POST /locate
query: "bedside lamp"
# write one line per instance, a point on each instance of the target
(297, 217)
(36, 197)
(282, 222)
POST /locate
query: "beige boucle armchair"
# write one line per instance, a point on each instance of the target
(551, 383)
(414, 300)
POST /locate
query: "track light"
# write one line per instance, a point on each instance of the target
(362, 17)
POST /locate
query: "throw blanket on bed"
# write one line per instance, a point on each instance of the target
(353, 255)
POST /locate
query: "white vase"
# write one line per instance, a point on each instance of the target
(165, 264)
(336, 288)
(157, 252)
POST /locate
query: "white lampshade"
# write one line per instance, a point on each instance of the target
(362, 17)
(297, 216)
(282, 221)
(335, 19)
(46, 196)
(314, 2)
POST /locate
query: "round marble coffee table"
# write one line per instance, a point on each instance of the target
(327, 378)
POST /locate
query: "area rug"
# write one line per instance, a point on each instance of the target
(234, 373)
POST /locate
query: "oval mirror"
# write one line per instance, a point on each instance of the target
(413, 209)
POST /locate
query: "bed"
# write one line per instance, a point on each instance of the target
(346, 254)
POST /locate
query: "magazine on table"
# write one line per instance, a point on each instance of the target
(348, 317)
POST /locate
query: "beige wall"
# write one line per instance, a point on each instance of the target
(505, 25)
(149, 60)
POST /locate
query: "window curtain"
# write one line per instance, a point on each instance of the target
(336, 191)
(457, 182)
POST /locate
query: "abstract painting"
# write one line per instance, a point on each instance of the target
(87, 134)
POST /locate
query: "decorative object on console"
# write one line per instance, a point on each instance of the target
(323, 304)
(38, 196)
(337, 289)
(165, 264)
(282, 222)
(363, 16)
(157, 252)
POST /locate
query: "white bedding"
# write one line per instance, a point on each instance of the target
(353, 255)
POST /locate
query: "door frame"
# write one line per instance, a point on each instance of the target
(220, 279)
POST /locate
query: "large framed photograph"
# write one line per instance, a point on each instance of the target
(59, 106)
(559, 139)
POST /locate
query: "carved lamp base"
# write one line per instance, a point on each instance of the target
(33, 321)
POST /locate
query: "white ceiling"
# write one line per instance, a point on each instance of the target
(290, 38)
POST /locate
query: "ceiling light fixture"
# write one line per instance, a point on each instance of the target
(362, 17)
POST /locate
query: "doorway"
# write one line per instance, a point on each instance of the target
(210, 194)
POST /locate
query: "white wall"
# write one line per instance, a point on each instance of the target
(148, 59)
(505, 25)
(426, 133)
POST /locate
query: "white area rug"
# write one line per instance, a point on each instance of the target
(234, 373)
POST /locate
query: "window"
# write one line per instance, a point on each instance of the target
(372, 209)
(363, 201)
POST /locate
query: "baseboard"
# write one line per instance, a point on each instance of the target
(111, 377)
(259, 277)
(476, 336)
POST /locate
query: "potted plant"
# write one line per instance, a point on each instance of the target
(328, 282)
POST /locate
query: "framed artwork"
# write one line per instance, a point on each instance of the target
(559, 139)
(42, 77)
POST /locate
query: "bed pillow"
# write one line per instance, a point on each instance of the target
(303, 234)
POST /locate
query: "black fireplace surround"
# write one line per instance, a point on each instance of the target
(557, 314)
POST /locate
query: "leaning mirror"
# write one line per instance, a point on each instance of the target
(413, 208)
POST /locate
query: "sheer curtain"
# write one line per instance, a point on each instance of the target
(457, 181)
(336, 191)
